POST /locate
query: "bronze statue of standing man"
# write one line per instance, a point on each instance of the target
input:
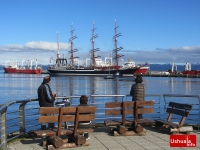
(138, 91)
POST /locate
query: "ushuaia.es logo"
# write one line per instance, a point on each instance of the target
(183, 140)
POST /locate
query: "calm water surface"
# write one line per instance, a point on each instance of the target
(16, 87)
(24, 86)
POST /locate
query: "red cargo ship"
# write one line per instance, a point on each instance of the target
(189, 71)
(14, 67)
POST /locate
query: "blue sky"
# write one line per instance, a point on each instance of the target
(162, 31)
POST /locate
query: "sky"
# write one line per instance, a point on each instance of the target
(157, 31)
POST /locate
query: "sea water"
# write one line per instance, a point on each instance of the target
(24, 86)
(15, 87)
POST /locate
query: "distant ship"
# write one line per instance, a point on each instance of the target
(188, 70)
(15, 67)
(96, 66)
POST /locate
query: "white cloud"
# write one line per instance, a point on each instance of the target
(47, 45)
(41, 45)
(43, 51)
(185, 49)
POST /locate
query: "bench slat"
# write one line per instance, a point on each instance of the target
(127, 122)
(177, 112)
(168, 123)
(117, 122)
(113, 104)
(145, 103)
(83, 109)
(45, 133)
(145, 110)
(47, 119)
(86, 117)
(129, 111)
(180, 106)
(68, 118)
(49, 110)
(68, 110)
(129, 103)
(112, 122)
(87, 109)
(113, 112)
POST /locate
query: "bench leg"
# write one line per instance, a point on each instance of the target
(44, 142)
(50, 147)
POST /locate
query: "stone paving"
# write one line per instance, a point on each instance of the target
(101, 139)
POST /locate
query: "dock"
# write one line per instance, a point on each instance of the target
(171, 75)
(101, 139)
(167, 74)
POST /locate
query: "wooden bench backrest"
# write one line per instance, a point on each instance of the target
(129, 107)
(76, 114)
(119, 108)
(143, 107)
(116, 108)
(178, 109)
(48, 114)
(145, 110)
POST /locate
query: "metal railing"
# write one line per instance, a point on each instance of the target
(20, 117)
(10, 131)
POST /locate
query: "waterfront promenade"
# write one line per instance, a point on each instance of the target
(101, 139)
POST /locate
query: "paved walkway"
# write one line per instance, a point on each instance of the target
(100, 139)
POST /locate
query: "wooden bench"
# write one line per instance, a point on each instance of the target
(128, 108)
(48, 115)
(66, 114)
(76, 114)
(182, 110)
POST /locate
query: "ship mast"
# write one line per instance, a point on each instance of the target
(116, 49)
(72, 50)
(93, 51)
(58, 55)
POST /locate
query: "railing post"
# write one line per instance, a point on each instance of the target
(3, 128)
(165, 106)
(22, 125)
(199, 114)
(89, 99)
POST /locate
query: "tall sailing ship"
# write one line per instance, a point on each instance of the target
(94, 66)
